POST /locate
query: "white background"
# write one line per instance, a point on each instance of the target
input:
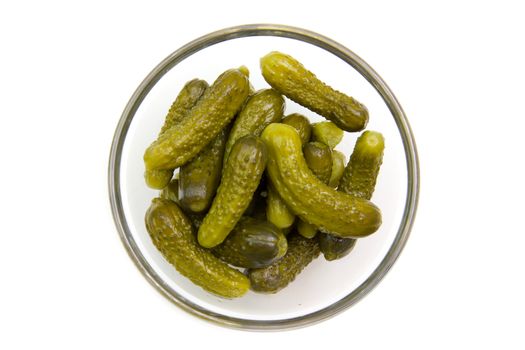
(67, 70)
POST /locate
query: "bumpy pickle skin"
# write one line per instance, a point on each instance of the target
(276, 210)
(214, 110)
(262, 108)
(271, 279)
(301, 124)
(252, 243)
(318, 157)
(313, 201)
(359, 180)
(327, 133)
(360, 175)
(186, 99)
(292, 79)
(240, 178)
(338, 166)
(200, 177)
(171, 232)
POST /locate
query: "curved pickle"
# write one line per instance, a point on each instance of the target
(171, 232)
(313, 201)
(186, 99)
(214, 110)
(292, 79)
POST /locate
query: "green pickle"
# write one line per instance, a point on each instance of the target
(200, 177)
(359, 180)
(262, 108)
(292, 79)
(271, 279)
(214, 110)
(318, 157)
(253, 243)
(327, 133)
(240, 178)
(186, 99)
(171, 232)
(301, 124)
(276, 210)
(313, 201)
(338, 166)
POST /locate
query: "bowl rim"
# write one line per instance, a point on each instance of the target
(320, 41)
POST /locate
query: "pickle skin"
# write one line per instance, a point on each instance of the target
(200, 177)
(327, 133)
(292, 79)
(271, 279)
(262, 108)
(359, 180)
(318, 157)
(190, 93)
(301, 124)
(313, 201)
(240, 178)
(214, 110)
(338, 167)
(276, 210)
(252, 244)
(171, 232)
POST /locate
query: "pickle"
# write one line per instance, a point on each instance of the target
(186, 99)
(359, 180)
(171, 232)
(318, 157)
(191, 92)
(301, 251)
(252, 243)
(200, 177)
(301, 124)
(171, 191)
(240, 178)
(338, 166)
(327, 133)
(314, 202)
(276, 210)
(360, 175)
(262, 108)
(292, 79)
(334, 247)
(214, 110)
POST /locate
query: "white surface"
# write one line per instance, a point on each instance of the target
(66, 73)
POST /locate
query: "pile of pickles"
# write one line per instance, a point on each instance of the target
(258, 195)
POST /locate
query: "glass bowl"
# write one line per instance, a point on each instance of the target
(324, 288)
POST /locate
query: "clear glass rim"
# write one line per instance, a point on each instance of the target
(279, 31)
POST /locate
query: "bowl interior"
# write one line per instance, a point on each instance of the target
(322, 283)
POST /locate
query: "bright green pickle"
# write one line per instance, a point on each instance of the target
(214, 110)
(313, 201)
(338, 166)
(240, 178)
(327, 133)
